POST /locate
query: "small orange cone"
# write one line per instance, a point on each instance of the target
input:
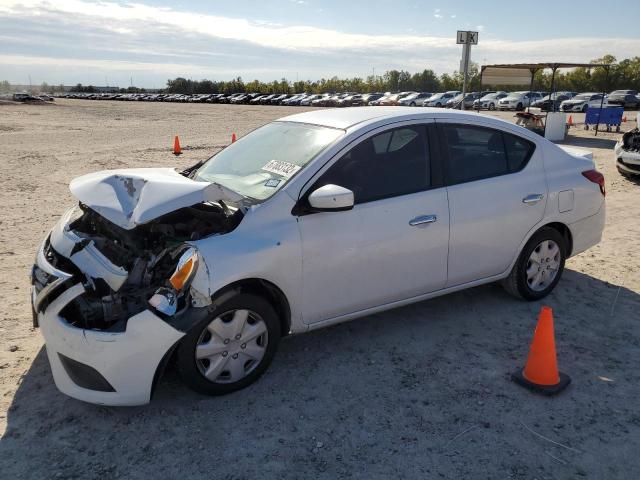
(570, 122)
(541, 373)
(233, 137)
(176, 146)
(624, 119)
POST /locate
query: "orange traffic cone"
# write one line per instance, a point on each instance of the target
(233, 137)
(176, 146)
(570, 122)
(624, 119)
(541, 373)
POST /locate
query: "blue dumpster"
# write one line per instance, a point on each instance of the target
(608, 116)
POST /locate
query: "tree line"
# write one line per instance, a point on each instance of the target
(622, 75)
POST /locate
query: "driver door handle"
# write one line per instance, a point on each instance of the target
(422, 219)
(533, 198)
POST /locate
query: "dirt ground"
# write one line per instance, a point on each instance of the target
(418, 392)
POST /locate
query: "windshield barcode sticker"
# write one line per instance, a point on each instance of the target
(284, 169)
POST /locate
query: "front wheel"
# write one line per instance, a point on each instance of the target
(492, 106)
(585, 108)
(230, 348)
(539, 266)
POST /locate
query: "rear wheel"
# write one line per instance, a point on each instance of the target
(539, 266)
(229, 349)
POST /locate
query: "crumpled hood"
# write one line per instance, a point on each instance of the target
(132, 197)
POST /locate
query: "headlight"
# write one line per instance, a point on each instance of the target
(165, 300)
(185, 270)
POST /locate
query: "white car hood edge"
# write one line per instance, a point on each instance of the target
(132, 197)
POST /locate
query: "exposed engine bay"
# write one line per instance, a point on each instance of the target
(627, 153)
(120, 268)
(631, 141)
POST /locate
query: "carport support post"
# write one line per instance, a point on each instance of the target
(481, 84)
(606, 83)
(551, 100)
(533, 74)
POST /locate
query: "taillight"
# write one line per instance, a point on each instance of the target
(596, 177)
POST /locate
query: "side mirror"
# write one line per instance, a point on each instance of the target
(331, 198)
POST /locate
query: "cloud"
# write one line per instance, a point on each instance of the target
(158, 41)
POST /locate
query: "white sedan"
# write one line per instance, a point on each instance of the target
(308, 221)
(583, 101)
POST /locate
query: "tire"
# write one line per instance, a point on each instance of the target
(519, 107)
(585, 108)
(230, 354)
(492, 106)
(438, 105)
(519, 282)
(412, 104)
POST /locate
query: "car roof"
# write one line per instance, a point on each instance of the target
(348, 117)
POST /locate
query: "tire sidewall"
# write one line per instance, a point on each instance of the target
(186, 349)
(521, 280)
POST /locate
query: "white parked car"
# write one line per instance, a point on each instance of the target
(518, 100)
(414, 99)
(308, 221)
(583, 101)
(489, 101)
(439, 99)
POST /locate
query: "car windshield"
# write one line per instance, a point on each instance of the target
(582, 97)
(260, 163)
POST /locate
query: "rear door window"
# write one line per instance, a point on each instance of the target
(475, 153)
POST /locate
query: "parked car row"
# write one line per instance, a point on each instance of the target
(486, 100)
(27, 97)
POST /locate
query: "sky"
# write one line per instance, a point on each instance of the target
(146, 42)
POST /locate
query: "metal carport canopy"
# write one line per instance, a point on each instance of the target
(513, 74)
(523, 73)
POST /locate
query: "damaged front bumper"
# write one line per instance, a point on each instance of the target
(108, 368)
(627, 153)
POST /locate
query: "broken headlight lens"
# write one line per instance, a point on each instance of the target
(185, 270)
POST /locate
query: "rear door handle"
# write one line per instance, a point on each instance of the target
(422, 219)
(533, 198)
